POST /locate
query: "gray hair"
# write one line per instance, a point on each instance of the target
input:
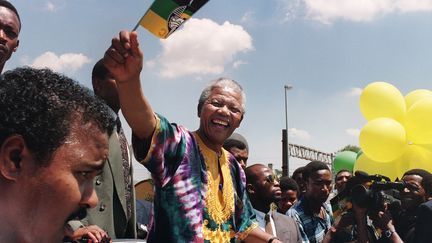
(221, 82)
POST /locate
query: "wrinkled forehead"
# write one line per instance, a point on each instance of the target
(226, 94)
(86, 132)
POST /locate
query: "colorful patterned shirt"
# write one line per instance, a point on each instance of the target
(312, 227)
(192, 203)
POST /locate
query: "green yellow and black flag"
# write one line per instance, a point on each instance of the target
(165, 16)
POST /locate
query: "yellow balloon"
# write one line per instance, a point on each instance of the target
(392, 169)
(416, 95)
(418, 123)
(418, 157)
(383, 139)
(381, 99)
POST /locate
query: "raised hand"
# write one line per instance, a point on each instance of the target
(124, 58)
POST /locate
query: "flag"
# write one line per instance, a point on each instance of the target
(166, 16)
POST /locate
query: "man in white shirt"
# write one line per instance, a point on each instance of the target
(263, 190)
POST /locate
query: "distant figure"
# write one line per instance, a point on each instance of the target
(341, 179)
(312, 213)
(289, 194)
(115, 212)
(298, 177)
(237, 145)
(10, 27)
(53, 143)
(263, 190)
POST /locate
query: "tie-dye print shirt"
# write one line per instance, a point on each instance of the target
(179, 171)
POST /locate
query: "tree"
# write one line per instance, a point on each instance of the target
(352, 148)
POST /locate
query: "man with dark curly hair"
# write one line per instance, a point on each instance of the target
(53, 142)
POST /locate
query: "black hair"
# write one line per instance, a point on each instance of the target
(312, 167)
(342, 170)
(236, 140)
(99, 70)
(41, 105)
(426, 179)
(298, 171)
(9, 5)
(286, 183)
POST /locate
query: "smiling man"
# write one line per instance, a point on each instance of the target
(54, 141)
(10, 27)
(419, 190)
(200, 193)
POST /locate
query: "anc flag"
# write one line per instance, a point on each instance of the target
(165, 16)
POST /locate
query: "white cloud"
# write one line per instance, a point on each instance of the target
(292, 9)
(353, 132)
(150, 64)
(50, 7)
(202, 47)
(247, 17)
(354, 92)
(237, 64)
(297, 133)
(68, 62)
(328, 11)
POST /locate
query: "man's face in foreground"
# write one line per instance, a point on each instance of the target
(63, 189)
(220, 115)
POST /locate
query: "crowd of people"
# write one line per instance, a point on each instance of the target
(66, 172)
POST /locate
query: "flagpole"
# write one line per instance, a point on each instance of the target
(139, 21)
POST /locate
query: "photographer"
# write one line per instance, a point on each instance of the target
(364, 198)
(350, 211)
(418, 191)
(397, 221)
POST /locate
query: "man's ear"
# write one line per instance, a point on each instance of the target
(16, 46)
(11, 155)
(250, 188)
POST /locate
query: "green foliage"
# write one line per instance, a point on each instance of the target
(352, 148)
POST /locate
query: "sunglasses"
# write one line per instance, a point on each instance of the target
(271, 178)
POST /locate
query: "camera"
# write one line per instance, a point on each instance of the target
(377, 195)
(372, 191)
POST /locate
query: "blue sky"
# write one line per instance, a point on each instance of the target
(328, 50)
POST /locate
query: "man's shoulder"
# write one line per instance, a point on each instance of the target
(297, 207)
(278, 216)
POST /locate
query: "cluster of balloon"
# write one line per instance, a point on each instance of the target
(398, 134)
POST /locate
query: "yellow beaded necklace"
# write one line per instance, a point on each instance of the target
(220, 196)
